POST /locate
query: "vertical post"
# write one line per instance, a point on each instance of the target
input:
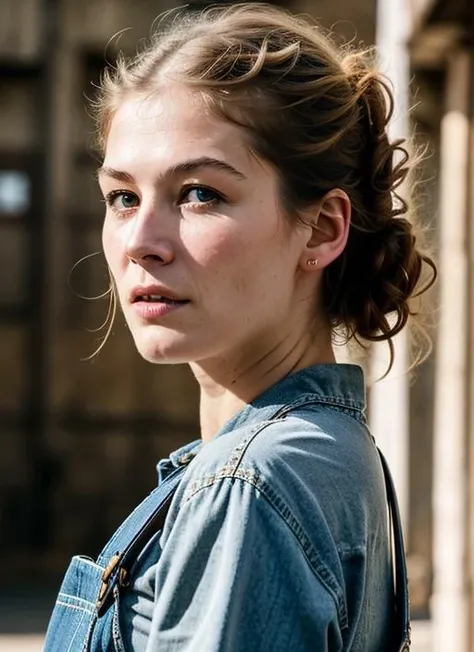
(449, 479)
(39, 418)
(470, 329)
(39, 355)
(470, 347)
(389, 397)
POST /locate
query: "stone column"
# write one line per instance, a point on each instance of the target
(389, 397)
(449, 481)
(470, 334)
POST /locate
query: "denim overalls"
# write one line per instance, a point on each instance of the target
(86, 614)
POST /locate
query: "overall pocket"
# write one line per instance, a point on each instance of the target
(75, 610)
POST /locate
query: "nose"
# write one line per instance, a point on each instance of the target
(146, 242)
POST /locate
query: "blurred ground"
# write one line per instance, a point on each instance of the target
(24, 614)
(18, 643)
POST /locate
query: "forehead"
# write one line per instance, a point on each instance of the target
(170, 124)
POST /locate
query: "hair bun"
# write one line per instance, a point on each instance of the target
(389, 271)
(397, 266)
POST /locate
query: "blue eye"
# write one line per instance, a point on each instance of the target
(122, 200)
(128, 200)
(201, 195)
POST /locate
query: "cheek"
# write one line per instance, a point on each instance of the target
(232, 263)
(111, 246)
(244, 235)
(216, 248)
(106, 240)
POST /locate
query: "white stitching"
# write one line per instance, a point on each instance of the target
(73, 597)
(72, 606)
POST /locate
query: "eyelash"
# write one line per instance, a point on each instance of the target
(187, 189)
(114, 194)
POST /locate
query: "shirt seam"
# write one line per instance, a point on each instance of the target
(346, 405)
(252, 477)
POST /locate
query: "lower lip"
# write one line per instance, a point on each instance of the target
(156, 309)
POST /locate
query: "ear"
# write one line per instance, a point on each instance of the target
(329, 221)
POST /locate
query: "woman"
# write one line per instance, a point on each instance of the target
(251, 215)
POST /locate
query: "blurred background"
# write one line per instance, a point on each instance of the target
(79, 438)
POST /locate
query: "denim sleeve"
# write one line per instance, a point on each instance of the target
(233, 578)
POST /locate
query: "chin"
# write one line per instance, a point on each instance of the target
(159, 354)
(157, 357)
(166, 348)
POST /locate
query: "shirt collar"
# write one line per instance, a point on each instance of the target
(332, 384)
(181, 456)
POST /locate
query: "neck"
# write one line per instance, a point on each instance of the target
(226, 385)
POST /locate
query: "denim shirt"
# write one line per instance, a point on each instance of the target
(277, 536)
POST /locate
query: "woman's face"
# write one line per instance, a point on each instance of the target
(204, 264)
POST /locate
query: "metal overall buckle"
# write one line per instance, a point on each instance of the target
(108, 577)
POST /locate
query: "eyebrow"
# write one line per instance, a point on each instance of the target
(179, 168)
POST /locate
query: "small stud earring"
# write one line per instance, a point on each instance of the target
(313, 262)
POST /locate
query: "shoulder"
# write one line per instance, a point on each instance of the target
(316, 465)
(287, 477)
(308, 438)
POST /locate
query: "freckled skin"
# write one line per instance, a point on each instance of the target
(236, 260)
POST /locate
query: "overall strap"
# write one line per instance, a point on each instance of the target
(133, 534)
(402, 603)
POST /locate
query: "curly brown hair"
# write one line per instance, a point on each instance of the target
(318, 113)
